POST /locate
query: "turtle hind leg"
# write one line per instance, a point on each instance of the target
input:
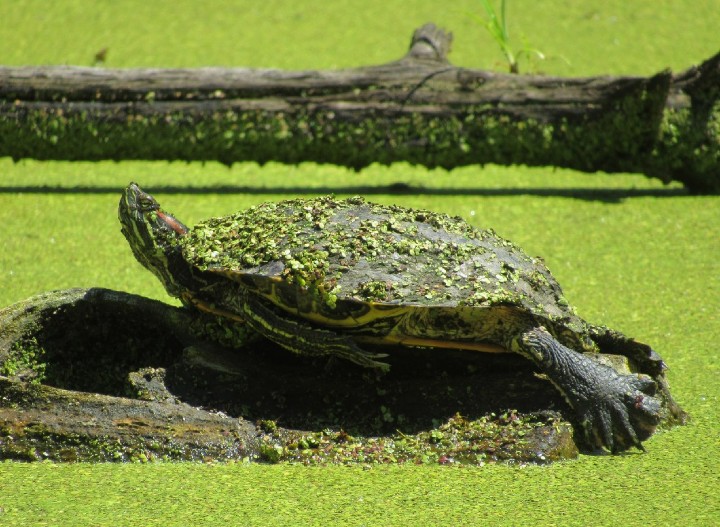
(616, 411)
(304, 339)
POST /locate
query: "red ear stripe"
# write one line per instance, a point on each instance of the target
(173, 223)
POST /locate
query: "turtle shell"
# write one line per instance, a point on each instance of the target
(346, 262)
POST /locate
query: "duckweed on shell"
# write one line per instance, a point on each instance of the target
(373, 253)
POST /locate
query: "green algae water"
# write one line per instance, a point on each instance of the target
(630, 253)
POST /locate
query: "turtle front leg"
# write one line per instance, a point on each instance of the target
(259, 319)
(304, 339)
(616, 411)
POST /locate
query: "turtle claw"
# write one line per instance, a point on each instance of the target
(622, 413)
(646, 385)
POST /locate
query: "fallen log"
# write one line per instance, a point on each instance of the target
(419, 109)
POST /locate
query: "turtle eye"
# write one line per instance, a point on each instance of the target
(146, 203)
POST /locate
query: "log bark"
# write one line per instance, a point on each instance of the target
(420, 109)
(99, 375)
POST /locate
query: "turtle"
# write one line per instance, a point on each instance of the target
(353, 279)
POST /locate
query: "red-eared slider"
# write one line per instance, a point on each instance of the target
(346, 277)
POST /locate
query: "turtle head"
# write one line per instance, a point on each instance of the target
(153, 235)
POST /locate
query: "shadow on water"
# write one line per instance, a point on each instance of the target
(608, 195)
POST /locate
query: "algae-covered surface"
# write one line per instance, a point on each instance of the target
(630, 253)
